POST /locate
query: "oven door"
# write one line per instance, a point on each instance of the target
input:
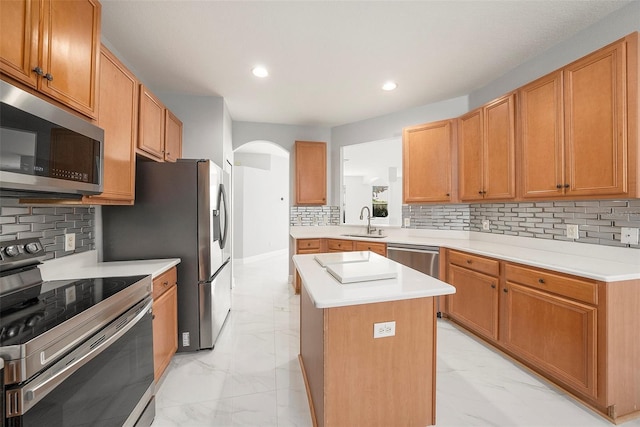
(106, 381)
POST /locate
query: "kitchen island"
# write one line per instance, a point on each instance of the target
(352, 377)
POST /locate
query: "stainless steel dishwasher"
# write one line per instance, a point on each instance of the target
(425, 259)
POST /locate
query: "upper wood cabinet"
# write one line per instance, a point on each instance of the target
(486, 156)
(173, 137)
(159, 130)
(595, 134)
(53, 47)
(118, 116)
(573, 136)
(311, 173)
(151, 125)
(427, 157)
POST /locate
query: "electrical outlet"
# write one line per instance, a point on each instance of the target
(407, 222)
(186, 341)
(69, 242)
(485, 224)
(629, 235)
(70, 295)
(572, 231)
(384, 329)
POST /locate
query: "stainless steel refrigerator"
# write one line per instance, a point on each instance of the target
(181, 211)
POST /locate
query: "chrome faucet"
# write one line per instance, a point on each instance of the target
(369, 228)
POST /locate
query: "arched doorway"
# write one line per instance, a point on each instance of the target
(261, 201)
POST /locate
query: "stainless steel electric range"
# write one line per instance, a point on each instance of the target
(76, 352)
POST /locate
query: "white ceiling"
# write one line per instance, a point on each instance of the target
(328, 59)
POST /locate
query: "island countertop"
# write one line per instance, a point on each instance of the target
(326, 291)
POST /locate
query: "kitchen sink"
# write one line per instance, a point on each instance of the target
(368, 236)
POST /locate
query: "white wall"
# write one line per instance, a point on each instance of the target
(357, 195)
(285, 136)
(261, 215)
(613, 27)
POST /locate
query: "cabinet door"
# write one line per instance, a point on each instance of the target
(173, 137)
(151, 125)
(542, 137)
(19, 42)
(311, 173)
(595, 133)
(470, 157)
(165, 330)
(475, 303)
(554, 334)
(426, 162)
(70, 49)
(379, 248)
(118, 116)
(335, 245)
(499, 146)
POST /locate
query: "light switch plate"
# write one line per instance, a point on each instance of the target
(407, 222)
(572, 231)
(485, 224)
(629, 235)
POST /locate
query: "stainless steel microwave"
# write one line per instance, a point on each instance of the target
(45, 150)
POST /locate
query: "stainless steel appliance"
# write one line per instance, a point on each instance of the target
(425, 259)
(44, 149)
(76, 352)
(181, 211)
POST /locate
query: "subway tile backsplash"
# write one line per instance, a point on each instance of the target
(599, 221)
(49, 224)
(314, 215)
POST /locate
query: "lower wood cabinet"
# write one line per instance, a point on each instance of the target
(579, 333)
(165, 320)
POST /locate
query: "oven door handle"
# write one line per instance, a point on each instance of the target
(20, 400)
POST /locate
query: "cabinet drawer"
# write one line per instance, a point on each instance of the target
(304, 244)
(339, 245)
(379, 248)
(164, 281)
(475, 263)
(572, 287)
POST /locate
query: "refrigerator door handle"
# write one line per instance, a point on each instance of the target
(222, 205)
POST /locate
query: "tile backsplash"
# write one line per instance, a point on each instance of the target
(599, 221)
(314, 215)
(49, 223)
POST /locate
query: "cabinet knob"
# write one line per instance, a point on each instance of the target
(559, 186)
(38, 71)
(469, 261)
(566, 186)
(505, 290)
(541, 281)
(447, 194)
(48, 77)
(480, 192)
(493, 286)
(165, 284)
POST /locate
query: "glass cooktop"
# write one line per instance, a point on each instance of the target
(58, 301)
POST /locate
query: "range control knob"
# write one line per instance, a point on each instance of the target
(12, 250)
(32, 247)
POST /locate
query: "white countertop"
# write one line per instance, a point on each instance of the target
(85, 265)
(608, 264)
(327, 292)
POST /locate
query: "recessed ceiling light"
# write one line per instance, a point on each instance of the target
(260, 72)
(389, 86)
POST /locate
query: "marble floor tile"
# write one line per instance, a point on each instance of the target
(252, 377)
